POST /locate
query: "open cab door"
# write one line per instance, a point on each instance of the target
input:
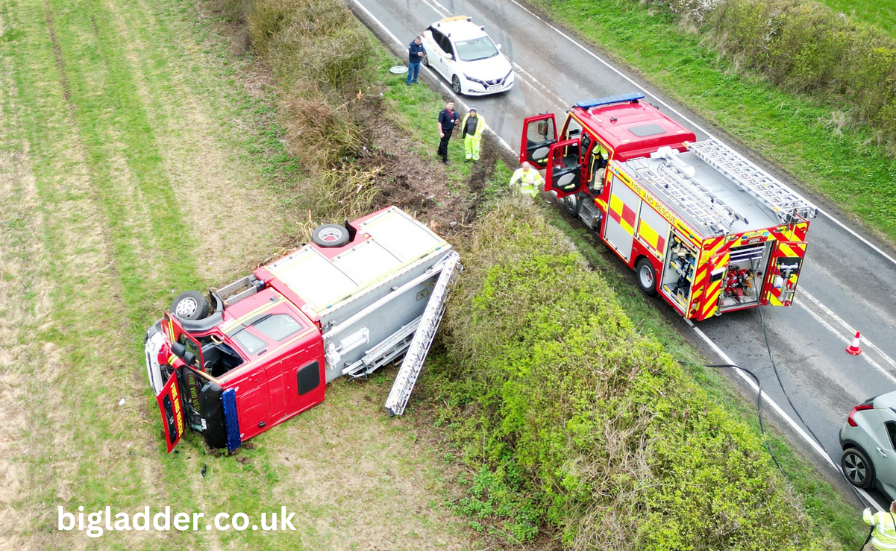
(177, 335)
(539, 133)
(783, 273)
(564, 172)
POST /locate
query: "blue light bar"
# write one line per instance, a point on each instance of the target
(622, 98)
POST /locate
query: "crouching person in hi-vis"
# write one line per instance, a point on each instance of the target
(883, 537)
(528, 179)
(472, 127)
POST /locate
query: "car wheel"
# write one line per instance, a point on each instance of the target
(455, 84)
(572, 204)
(857, 468)
(190, 305)
(425, 60)
(646, 276)
(329, 235)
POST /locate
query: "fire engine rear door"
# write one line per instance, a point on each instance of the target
(783, 272)
(622, 218)
(538, 134)
(563, 175)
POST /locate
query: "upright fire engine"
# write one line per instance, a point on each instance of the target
(359, 297)
(700, 224)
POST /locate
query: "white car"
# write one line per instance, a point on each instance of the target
(465, 55)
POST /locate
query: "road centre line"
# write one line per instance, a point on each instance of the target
(432, 74)
(845, 340)
(789, 420)
(697, 126)
(865, 342)
(763, 396)
(443, 12)
(544, 92)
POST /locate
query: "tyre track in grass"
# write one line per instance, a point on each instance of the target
(77, 435)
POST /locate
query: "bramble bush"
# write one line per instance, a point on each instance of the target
(805, 46)
(551, 388)
(323, 61)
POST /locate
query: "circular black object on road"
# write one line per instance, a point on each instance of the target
(329, 235)
(190, 305)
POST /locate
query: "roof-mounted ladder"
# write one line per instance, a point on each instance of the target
(672, 178)
(419, 347)
(782, 201)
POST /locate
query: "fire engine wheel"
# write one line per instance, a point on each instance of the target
(646, 276)
(190, 305)
(572, 204)
(330, 235)
(425, 60)
(857, 468)
(455, 84)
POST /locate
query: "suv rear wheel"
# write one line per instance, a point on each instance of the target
(857, 468)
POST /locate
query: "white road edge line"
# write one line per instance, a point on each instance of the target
(708, 341)
(695, 125)
(765, 397)
(865, 342)
(435, 76)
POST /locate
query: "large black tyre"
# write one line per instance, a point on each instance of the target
(330, 235)
(425, 60)
(646, 276)
(455, 84)
(857, 468)
(190, 305)
(572, 204)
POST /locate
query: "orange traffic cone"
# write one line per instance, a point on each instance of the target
(854, 347)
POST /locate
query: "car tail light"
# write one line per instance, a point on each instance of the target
(860, 407)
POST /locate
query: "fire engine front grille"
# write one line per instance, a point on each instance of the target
(748, 252)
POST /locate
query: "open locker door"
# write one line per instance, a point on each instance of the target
(783, 273)
(564, 174)
(539, 133)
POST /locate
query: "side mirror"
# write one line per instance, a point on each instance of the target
(498, 46)
(450, 56)
(189, 358)
(178, 350)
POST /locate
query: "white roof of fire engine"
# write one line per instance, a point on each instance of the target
(747, 214)
(396, 242)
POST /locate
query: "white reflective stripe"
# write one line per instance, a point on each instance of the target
(882, 545)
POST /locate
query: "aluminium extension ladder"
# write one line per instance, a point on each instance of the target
(785, 203)
(426, 331)
(689, 194)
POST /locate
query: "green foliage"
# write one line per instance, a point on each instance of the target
(610, 440)
(806, 47)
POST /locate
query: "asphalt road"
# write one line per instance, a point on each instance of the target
(846, 285)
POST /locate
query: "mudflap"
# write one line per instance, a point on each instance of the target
(231, 420)
(172, 412)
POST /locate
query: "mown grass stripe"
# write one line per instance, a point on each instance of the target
(114, 125)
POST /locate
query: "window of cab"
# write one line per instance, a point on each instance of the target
(265, 329)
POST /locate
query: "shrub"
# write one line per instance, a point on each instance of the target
(610, 439)
(804, 46)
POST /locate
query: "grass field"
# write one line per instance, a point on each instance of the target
(881, 13)
(138, 158)
(806, 138)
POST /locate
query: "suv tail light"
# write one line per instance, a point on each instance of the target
(860, 407)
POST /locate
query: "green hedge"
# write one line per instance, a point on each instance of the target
(805, 46)
(554, 392)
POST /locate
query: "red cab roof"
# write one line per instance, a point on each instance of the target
(632, 128)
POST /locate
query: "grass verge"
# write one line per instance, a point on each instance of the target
(808, 139)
